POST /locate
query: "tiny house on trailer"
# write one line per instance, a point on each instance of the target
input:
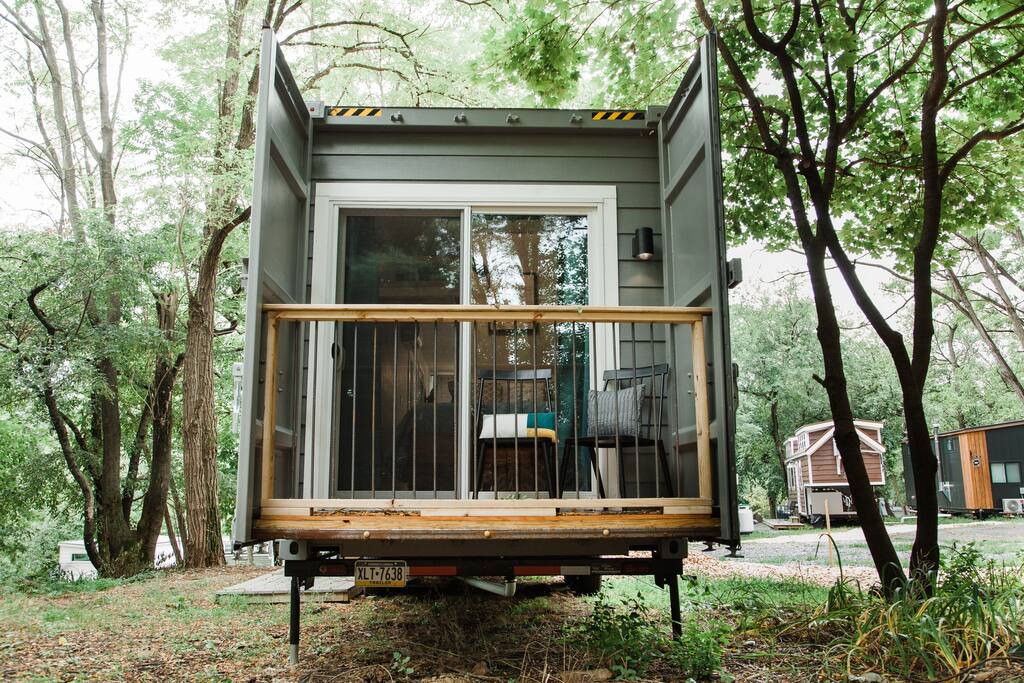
(814, 471)
(486, 342)
(979, 469)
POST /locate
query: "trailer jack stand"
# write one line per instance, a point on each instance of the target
(676, 616)
(293, 623)
(734, 551)
(675, 613)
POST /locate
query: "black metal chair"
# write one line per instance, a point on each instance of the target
(514, 392)
(645, 433)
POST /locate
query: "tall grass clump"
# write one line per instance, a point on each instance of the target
(970, 612)
(631, 639)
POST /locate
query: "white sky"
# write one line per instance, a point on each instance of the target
(765, 272)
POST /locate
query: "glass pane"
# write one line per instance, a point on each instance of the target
(1012, 472)
(402, 257)
(397, 412)
(998, 473)
(530, 260)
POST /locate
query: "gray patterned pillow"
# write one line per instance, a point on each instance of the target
(603, 415)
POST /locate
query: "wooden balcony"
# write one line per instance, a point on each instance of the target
(657, 488)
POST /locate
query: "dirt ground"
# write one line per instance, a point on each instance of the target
(167, 626)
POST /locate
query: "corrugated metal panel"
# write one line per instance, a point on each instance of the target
(464, 143)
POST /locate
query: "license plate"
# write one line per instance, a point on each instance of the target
(381, 573)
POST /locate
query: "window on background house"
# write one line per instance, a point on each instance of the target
(79, 557)
(1005, 472)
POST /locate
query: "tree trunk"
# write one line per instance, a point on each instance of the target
(966, 306)
(777, 440)
(169, 525)
(154, 503)
(94, 455)
(203, 547)
(883, 554)
(179, 514)
(924, 555)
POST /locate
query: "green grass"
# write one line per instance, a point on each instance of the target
(56, 587)
(761, 531)
(697, 593)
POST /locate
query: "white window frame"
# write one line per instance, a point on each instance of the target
(597, 202)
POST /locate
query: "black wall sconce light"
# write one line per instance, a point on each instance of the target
(643, 244)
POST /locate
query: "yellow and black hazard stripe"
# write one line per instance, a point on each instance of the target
(620, 115)
(353, 111)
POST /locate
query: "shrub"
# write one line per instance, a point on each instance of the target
(969, 613)
(698, 652)
(628, 638)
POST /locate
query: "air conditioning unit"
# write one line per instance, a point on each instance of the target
(1013, 506)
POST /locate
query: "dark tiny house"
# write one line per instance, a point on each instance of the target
(980, 469)
(486, 342)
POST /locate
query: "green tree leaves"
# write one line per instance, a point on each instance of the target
(535, 47)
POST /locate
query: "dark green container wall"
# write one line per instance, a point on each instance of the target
(1006, 445)
(510, 156)
(951, 472)
(628, 161)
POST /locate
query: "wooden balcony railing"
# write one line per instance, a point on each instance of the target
(574, 333)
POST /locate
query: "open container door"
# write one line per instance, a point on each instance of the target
(278, 238)
(696, 272)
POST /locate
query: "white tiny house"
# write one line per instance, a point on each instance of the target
(74, 561)
(815, 476)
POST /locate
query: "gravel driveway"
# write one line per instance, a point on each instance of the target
(1001, 540)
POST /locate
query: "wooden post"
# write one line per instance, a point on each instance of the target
(700, 397)
(269, 410)
(828, 530)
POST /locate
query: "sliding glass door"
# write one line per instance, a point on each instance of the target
(395, 417)
(398, 407)
(537, 370)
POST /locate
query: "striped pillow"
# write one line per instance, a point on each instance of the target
(604, 415)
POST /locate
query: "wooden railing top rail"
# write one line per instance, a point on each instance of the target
(478, 313)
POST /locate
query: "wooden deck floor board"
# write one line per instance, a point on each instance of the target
(414, 527)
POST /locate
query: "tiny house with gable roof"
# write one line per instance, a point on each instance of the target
(815, 474)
